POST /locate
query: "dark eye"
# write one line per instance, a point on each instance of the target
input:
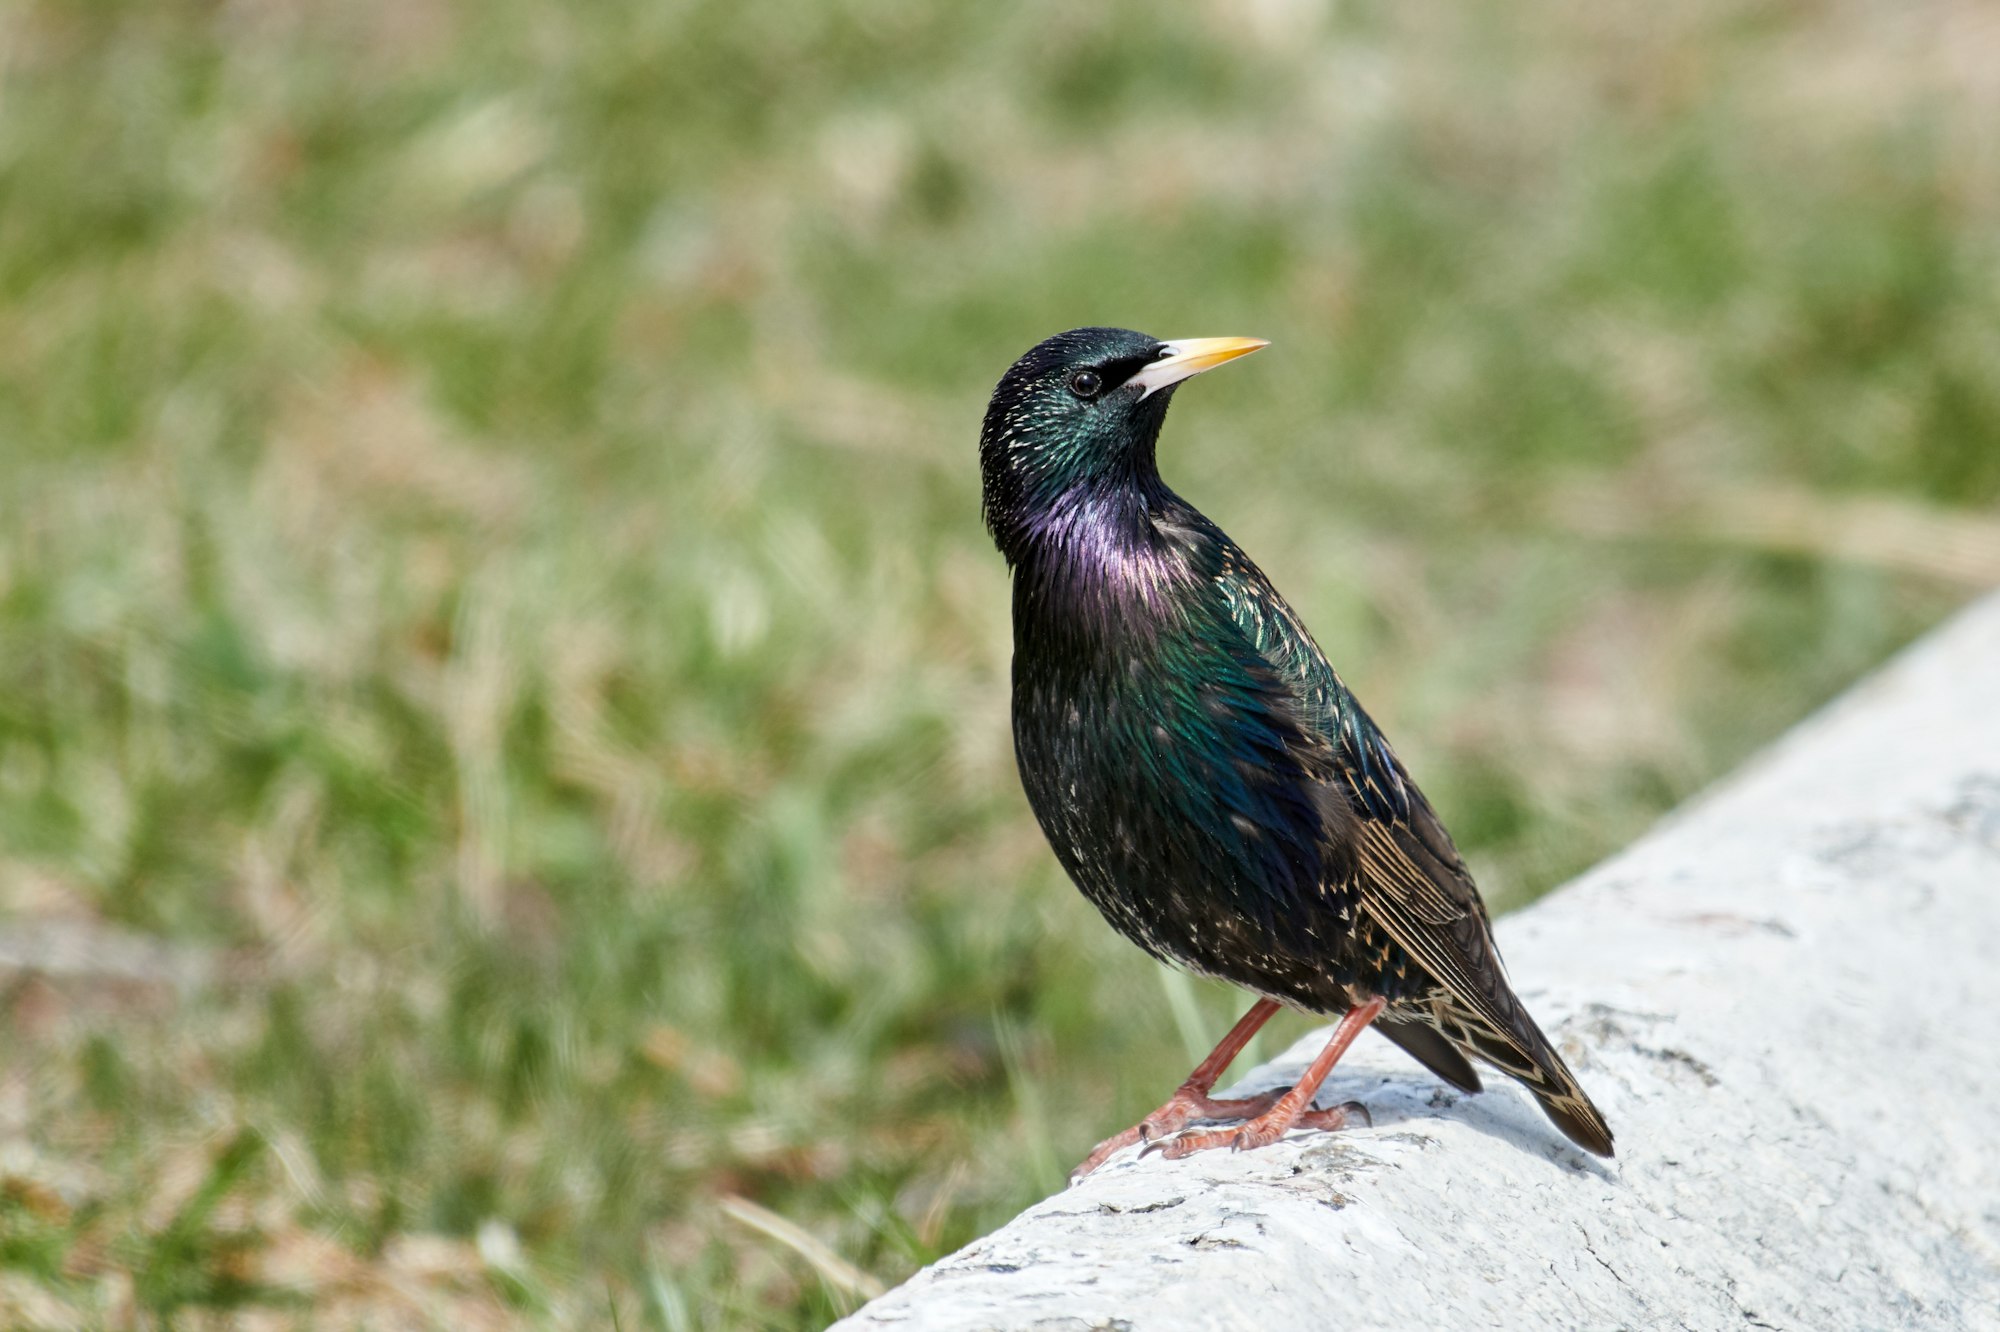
(1086, 383)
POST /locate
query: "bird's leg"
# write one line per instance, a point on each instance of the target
(1290, 1110)
(1191, 1101)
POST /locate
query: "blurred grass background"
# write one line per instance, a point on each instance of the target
(506, 810)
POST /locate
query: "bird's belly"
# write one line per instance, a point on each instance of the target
(1133, 810)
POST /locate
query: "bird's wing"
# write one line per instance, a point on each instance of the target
(1415, 882)
(1415, 886)
(1411, 880)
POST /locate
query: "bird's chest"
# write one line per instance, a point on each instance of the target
(1109, 783)
(1188, 840)
(1093, 743)
(1177, 782)
(1105, 706)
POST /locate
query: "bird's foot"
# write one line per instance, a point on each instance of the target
(1268, 1127)
(1182, 1108)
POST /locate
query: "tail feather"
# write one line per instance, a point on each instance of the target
(1431, 1048)
(1525, 1055)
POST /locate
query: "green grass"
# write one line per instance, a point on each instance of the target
(490, 566)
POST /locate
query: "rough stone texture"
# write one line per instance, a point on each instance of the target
(1787, 1001)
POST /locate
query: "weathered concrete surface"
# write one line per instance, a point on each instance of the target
(1787, 1001)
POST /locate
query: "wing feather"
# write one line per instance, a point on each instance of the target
(1409, 877)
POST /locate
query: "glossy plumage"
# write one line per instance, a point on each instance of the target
(1199, 769)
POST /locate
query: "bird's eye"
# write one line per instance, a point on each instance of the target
(1086, 383)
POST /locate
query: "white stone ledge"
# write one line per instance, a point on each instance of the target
(1786, 999)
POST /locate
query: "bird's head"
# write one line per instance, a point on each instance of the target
(1078, 416)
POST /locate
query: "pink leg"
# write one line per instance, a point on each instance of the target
(1290, 1110)
(1191, 1101)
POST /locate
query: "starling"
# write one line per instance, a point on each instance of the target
(1205, 777)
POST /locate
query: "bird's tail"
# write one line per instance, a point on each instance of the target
(1520, 1050)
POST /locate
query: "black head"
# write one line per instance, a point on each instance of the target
(1079, 415)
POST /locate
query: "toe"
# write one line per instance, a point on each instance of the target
(1350, 1114)
(1103, 1152)
(1187, 1144)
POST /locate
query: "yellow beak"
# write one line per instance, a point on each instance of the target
(1190, 356)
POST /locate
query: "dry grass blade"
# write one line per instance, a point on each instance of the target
(832, 1268)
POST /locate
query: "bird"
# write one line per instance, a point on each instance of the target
(1207, 779)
